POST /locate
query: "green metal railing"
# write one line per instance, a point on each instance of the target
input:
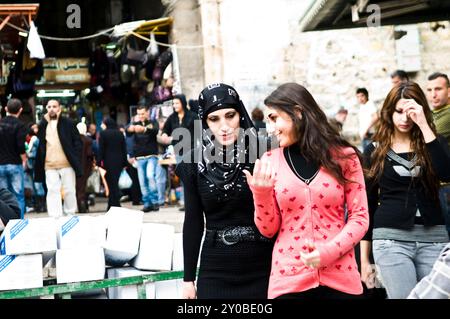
(64, 290)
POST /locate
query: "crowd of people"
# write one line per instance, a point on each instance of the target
(312, 216)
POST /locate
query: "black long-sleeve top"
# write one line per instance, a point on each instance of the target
(394, 199)
(201, 200)
(112, 152)
(173, 122)
(145, 143)
(12, 136)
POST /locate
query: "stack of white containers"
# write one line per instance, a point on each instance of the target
(123, 234)
(84, 245)
(155, 254)
(25, 245)
(80, 255)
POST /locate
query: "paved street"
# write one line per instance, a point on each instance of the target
(166, 215)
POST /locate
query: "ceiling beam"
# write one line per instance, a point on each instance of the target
(4, 22)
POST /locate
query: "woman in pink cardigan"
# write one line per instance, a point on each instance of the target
(302, 192)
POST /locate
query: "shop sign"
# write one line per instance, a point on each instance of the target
(66, 70)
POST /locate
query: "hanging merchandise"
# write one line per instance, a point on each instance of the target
(161, 63)
(135, 52)
(136, 57)
(152, 48)
(35, 44)
(160, 94)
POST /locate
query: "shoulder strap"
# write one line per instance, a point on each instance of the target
(395, 157)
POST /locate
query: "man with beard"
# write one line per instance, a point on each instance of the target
(58, 160)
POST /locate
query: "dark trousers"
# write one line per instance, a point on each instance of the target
(81, 193)
(135, 190)
(112, 178)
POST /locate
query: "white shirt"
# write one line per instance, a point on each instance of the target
(365, 115)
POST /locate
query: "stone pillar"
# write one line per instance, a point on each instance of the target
(187, 35)
(212, 40)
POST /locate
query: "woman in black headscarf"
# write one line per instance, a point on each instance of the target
(112, 157)
(235, 258)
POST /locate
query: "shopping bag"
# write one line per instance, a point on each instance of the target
(93, 182)
(125, 180)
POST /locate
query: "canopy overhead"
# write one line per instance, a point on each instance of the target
(341, 14)
(157, 26)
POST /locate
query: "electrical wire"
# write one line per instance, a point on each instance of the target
(109, 30)
(172, 45)
(62, 39)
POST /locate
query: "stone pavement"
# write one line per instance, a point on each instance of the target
(166, 215)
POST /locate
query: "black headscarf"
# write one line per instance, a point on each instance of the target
(226, 177)
(110, 123)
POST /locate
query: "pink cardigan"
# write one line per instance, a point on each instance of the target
(295, 212)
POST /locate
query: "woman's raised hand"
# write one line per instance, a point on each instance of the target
(263, 175)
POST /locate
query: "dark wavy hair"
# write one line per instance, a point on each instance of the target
(385, 134)
(317, 139)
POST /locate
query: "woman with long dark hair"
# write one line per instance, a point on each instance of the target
(112, 156)
(302, 191)
(235, 258)
(404, 166)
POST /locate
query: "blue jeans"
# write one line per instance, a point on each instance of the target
(147, 169)
(402, 264)
(444, 195)
(161, 180)
(12, 177)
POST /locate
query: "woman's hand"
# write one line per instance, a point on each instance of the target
(312, 257)
(416, 114)
(189, 291)
(262, 175)
(368, 274)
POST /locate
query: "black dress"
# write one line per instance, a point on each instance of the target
(113, 157)
(241, 270)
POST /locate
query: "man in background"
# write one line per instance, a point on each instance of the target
(12, 152)
(399, 76)
(437, 93)
(58, 160)
(367, 117)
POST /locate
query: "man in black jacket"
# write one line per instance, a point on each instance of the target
(12, 152)
(58, 159)
(145, 151)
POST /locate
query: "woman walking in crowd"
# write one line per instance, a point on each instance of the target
(405, 164)
(235, 258)
(38, 188)
(112, 156)
(181, 118)
(301, 191)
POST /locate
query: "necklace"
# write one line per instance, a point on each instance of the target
(305, 180)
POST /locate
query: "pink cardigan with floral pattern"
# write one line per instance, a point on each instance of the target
(296, 212)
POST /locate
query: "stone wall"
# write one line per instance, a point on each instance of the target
(258, 46)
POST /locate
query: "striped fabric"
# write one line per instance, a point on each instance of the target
(437, 284)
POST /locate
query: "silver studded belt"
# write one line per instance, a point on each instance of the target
(235, 234)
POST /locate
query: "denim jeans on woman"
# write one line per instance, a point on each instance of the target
(402, 264)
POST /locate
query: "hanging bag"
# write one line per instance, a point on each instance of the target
(125, 181)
